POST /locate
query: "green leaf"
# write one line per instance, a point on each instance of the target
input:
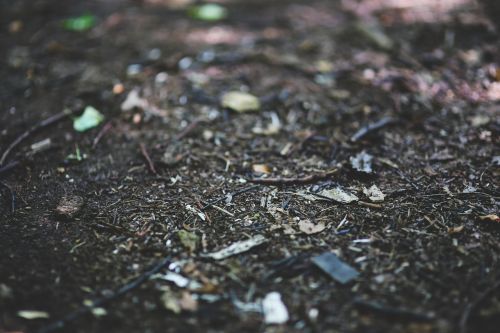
(240, 101)
(80, 23)
(89, 119)
(33, 314)
(188, 239)
(210, 12)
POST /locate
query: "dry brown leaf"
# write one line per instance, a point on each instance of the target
(490, 217)
(261, 168)
(187, 302)
(455, 230)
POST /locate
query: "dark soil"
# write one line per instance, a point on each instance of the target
(428, 258)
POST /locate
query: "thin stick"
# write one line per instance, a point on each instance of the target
(44, 123)
(187, 130)
(365, 130)
(148, 159)
(369, 204)
(101, 133)
(12, 197)
(293, 181)
(8, 167)
(471, 306)
(243, 190)
(101, 301)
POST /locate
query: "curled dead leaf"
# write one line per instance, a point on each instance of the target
(261, 168)
(490, 217)
(455, 230)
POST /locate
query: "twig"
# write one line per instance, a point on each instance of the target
(101, 133)
(223, 210)
(12, 197)
(293, 181)
(44, 123)
(9, 166)
(365, 130)
(187, 130)
(101, 301)
(471, 306)
(369, 204)
(243, 190)
(148, 159)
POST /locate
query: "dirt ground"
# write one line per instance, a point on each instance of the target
(427, 255)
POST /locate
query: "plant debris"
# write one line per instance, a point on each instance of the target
(80, 23)
(240, 101)
(335, 268)
(490, 217)
(188, 239)
(310, 228)
(261, 168)
(210, 12)
(275, 311)
(237, 248)
(374, 193)
(173, 171)
(89, 119)
(362, 162)
(338, 194)
(33, 314)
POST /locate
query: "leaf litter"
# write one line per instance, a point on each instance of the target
(335, 268)
(237, 248)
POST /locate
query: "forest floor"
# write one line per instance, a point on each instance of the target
(176, 176)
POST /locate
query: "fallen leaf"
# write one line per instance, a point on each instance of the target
(170, 301)
(188, 239)
(374, 194)
(362, 162)
(89, 119)
(99, 312)
(275, 311)
(339, 195)
(261, 168)
(209, 12)
(187, 302)
(80, 23)
(455, 230)
(240, 101)
(490, 217)
(308, 227)
(237, 248)
(33, 314)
